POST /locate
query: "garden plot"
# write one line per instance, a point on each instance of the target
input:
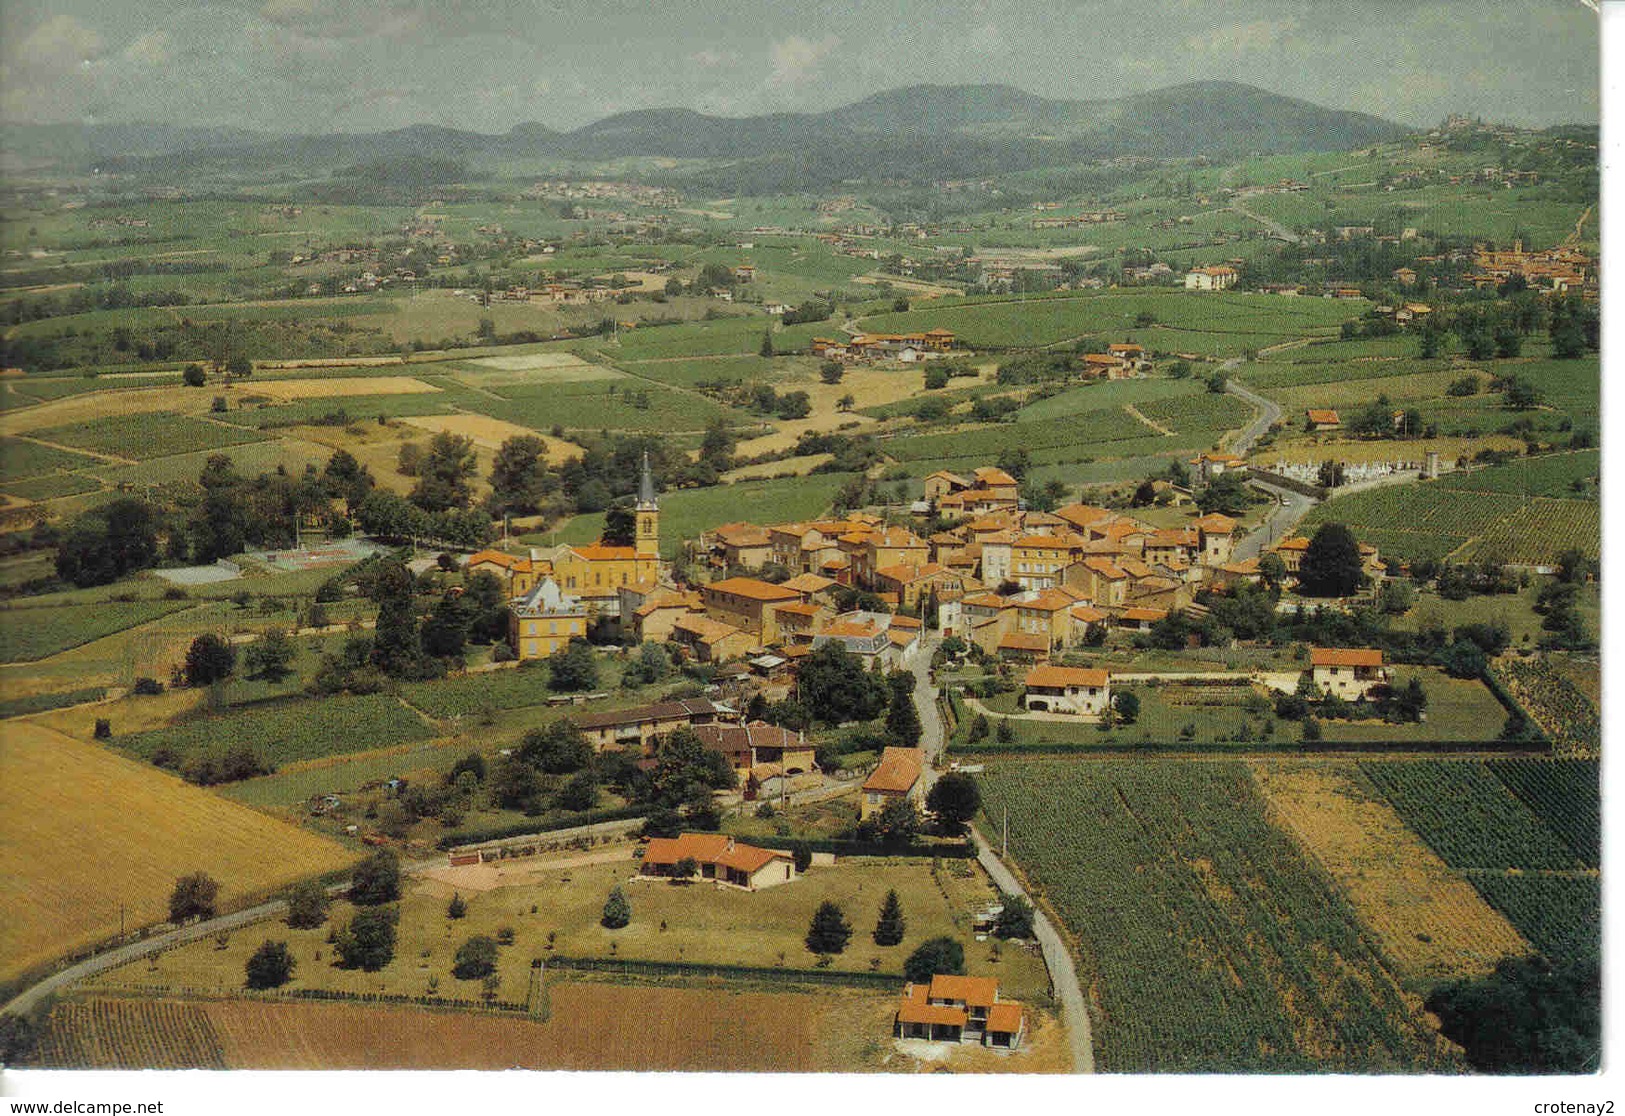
(287, 390)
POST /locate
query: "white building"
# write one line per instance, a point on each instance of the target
(1057, 689)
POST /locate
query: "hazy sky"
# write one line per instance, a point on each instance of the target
(361, 65)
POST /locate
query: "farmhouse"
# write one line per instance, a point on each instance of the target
(1352, 673)
(1211, 278)
(711, 641)
(1210, 465)
(960, 1009)
(544, 621)
(737, 544)
(759, 749)
(896, 777)
(1318, 420)
(517, 574)
(719, 858)
(644, 726)
(747, 603)
(1058, 689)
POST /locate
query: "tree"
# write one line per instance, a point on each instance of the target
(396, 647)
(902, 718)
(835, 688)
(1225, 494)
(270, 966)
(897, 823)
(516, 785)
(444, 473)
(617, 911)
(685, 869)
(238, 366)
(194, 897)
(1005, 732)
(1331, 564)
(1016, 919)
(954, 799)
(445, 633)
(376, 880)
(801, 855)
(890, 927)
(307, 905)
(831, 371)
(209, 659)
(580, 792)
(458, 907)
(572, 668)
(367, 942)
(519, 475)
(557, 748)
(620, 526)
(270, 656)
(829, 930)
(944, 955)
(106, 543)
(1127, 707)
(475, 958)
(766, 348)
(1530, 1015)
(192, 375)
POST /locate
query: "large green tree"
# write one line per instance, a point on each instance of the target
(890, 926)
(108, 542)
(444, 474)
(368, 941)
(835, 688)
(942, 955)
(1528, 1016)
(902, 718)
(209, 659)
(376, 880)
(194, 896)
(954, 799)
(1331, 564)
(519, 475)
(829, 930)
(270, 966)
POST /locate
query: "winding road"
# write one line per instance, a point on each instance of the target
(1063, 975)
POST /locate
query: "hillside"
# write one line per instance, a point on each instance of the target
(920, 132)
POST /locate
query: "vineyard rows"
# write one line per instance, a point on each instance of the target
(1566, 794)
(1467, 815)
(1211, 942)
(1561, 916)
(130, 1034)
(1560, 707)
(1540, 476)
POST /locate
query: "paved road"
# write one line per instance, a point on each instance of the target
(1276, 229)
(123, 955)
(1269, 411)
(1062, 974)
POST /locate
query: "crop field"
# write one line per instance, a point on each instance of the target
(140, 437)
(1467, 815)
(1431, 921)
(1230, 322)
(687, 512)
(1413, 521)
(722, 337)
(1211, 943)
(1209, 413)
(593, 1026)
(328, 387)
(286, 731)
(30, 631)
(436, 401)
(51, 487)
(20, 458)
(130, 1035)
(1562, 709)
(1561, 916)
(88, 832)
(1566, 794)
(687, 373)
(590, 406)
(1553, 475)
(1351, 394)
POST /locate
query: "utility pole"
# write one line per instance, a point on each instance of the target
(1004, 850)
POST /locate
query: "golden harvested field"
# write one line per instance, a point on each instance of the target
(490, 433)
(1431, 922)
(106, 404)
(869, 387)
(284, 390)
(800, 466)
(593, 1026)
(1355, 393)
(86, 831)
(1364, 453)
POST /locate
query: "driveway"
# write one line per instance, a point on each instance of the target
(1063, 974)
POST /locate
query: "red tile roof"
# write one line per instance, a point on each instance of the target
(899, 770)
(1061, 677)
(1345, 656)
(752, 589)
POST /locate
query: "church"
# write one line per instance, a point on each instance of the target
(577, 584)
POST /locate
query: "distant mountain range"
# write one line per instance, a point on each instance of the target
(922, 132)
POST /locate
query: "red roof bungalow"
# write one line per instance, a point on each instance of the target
(960, 1009)
(718, 857)
(1317, 420)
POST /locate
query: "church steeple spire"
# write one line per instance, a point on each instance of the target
(646, 486)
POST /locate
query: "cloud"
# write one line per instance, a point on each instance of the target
(711, 59)
(152, 49)
(1235, 39)
(60, 45)
(346, 19)
(796, 59)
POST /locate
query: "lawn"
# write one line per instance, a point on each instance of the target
(702, 924)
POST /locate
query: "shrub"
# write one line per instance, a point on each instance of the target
(271, 966)
(617, 911)
(147, 687)
(475, 959)
(937, 955)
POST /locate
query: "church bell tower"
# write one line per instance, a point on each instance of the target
(647, 542)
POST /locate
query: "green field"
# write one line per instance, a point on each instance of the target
(141, 437)
(1428, 520)
(685, 513)
(1566, 794)
(20, 459)
(1467, 815)
(1561, 916)
(34, 629)
(593, 405)
(1553, 475)
(52, 487)
(286, 731)
(1208, 941)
